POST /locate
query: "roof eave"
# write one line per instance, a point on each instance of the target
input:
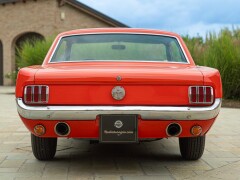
(93, 12)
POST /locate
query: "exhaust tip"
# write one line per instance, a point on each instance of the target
(173, 129)
(62, 129)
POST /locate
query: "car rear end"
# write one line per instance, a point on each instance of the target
(119, 101)
(156, 102)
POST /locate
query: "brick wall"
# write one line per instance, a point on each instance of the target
(41, 16)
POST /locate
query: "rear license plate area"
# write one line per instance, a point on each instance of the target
(118, 128)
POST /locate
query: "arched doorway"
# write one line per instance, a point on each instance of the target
(1, 63)
(30, 37)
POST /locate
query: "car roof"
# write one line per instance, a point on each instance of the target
(117, 30)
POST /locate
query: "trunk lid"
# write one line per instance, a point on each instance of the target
(145, 83)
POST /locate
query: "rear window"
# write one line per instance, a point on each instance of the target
(118, 47)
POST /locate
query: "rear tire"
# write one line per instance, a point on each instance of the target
(43, 148)
(192, 148)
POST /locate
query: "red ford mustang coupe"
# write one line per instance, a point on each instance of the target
(118, 85)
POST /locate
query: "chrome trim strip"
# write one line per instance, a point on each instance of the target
(32, 88)
(197, 94)
(25, 95)
(90, 112)
(212, 94)
(190, 95)
(47, 94)
(85, 61)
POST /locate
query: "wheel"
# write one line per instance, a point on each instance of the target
(43, 148)
(192, 148)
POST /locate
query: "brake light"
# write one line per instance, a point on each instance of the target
(44, 93)
(36, 94)
(201, 95)
(28, 94)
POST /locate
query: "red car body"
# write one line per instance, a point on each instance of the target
(158, 93)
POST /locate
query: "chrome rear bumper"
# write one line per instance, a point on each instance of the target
(90, 112)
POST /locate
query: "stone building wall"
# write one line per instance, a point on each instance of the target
(45, 17)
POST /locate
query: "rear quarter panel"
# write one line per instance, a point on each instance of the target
(25, 77)
(212, 78)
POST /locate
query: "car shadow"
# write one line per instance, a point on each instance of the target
(155, 151)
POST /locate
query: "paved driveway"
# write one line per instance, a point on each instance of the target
(77, 159)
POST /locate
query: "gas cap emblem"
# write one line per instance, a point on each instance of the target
(118, 78)
(118, 124)
(118, 92)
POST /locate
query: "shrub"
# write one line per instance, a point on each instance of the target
(32, 52)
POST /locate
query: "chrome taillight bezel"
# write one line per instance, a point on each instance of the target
(39, 94)
(197, 95)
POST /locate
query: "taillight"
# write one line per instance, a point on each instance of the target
(36, 94)
(201, 95)
(28, 94)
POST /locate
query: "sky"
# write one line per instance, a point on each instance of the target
(192, 17)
